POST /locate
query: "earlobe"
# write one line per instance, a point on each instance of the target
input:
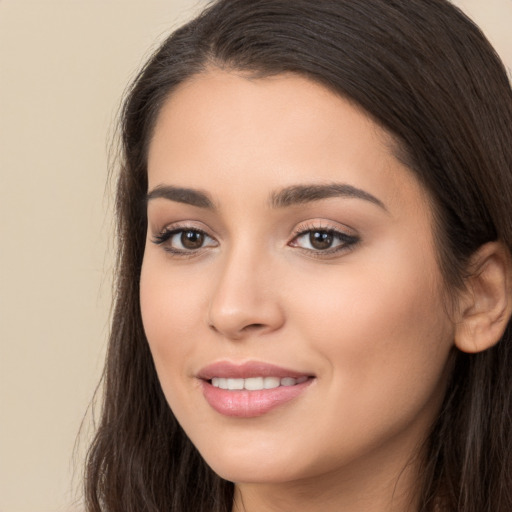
(485, 307)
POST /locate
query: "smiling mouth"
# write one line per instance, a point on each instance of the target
(252, 388)
(255, 383)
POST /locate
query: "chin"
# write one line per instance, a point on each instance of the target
(250, 473)
(254, 464)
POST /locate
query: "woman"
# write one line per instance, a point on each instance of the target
(314, 276)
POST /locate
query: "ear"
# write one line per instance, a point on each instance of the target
(485, 306)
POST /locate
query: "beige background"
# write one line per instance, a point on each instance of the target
(63, 67)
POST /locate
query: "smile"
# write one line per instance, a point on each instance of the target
(251, 389)
(255, 383)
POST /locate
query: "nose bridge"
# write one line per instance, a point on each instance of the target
(244, 300)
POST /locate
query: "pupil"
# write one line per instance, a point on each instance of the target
(192, 239)
(321, 239)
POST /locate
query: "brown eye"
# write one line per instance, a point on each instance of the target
(184, 241)
(192, 240)
(321, 240)
(324, 241)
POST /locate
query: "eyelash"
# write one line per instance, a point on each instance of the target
(346, 241)
(168, 233)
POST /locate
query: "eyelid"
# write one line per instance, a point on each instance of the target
(183, 225)
(323, 225)
(167, 233)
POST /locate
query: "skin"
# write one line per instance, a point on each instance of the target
(369, 321)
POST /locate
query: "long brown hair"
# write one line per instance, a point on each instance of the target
(425, 73)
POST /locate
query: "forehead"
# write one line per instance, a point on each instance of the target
(228, 129)
(220, 103)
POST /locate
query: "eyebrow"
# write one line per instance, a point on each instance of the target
(181, 195)
(300, 194)
(289, 196)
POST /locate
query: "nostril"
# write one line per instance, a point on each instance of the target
(253, 327)
(239, 332)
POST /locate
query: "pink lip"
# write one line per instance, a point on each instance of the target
(244, 403)
(225, 369)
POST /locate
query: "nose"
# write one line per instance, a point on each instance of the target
(245, 301)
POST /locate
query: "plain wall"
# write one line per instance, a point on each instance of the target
(63, 67)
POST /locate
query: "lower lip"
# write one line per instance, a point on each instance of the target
(249, 404)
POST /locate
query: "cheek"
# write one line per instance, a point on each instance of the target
(381, 328)
(170, 306)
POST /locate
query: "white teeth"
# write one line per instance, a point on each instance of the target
(271, 382)
(235, 384)
(256, 383)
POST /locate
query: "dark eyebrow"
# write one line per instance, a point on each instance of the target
(181, 195)
(299, 194)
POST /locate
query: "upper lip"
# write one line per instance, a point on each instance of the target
(227, 369)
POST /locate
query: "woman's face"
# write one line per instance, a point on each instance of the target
(288, 247)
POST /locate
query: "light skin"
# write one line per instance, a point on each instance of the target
(253, 170)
